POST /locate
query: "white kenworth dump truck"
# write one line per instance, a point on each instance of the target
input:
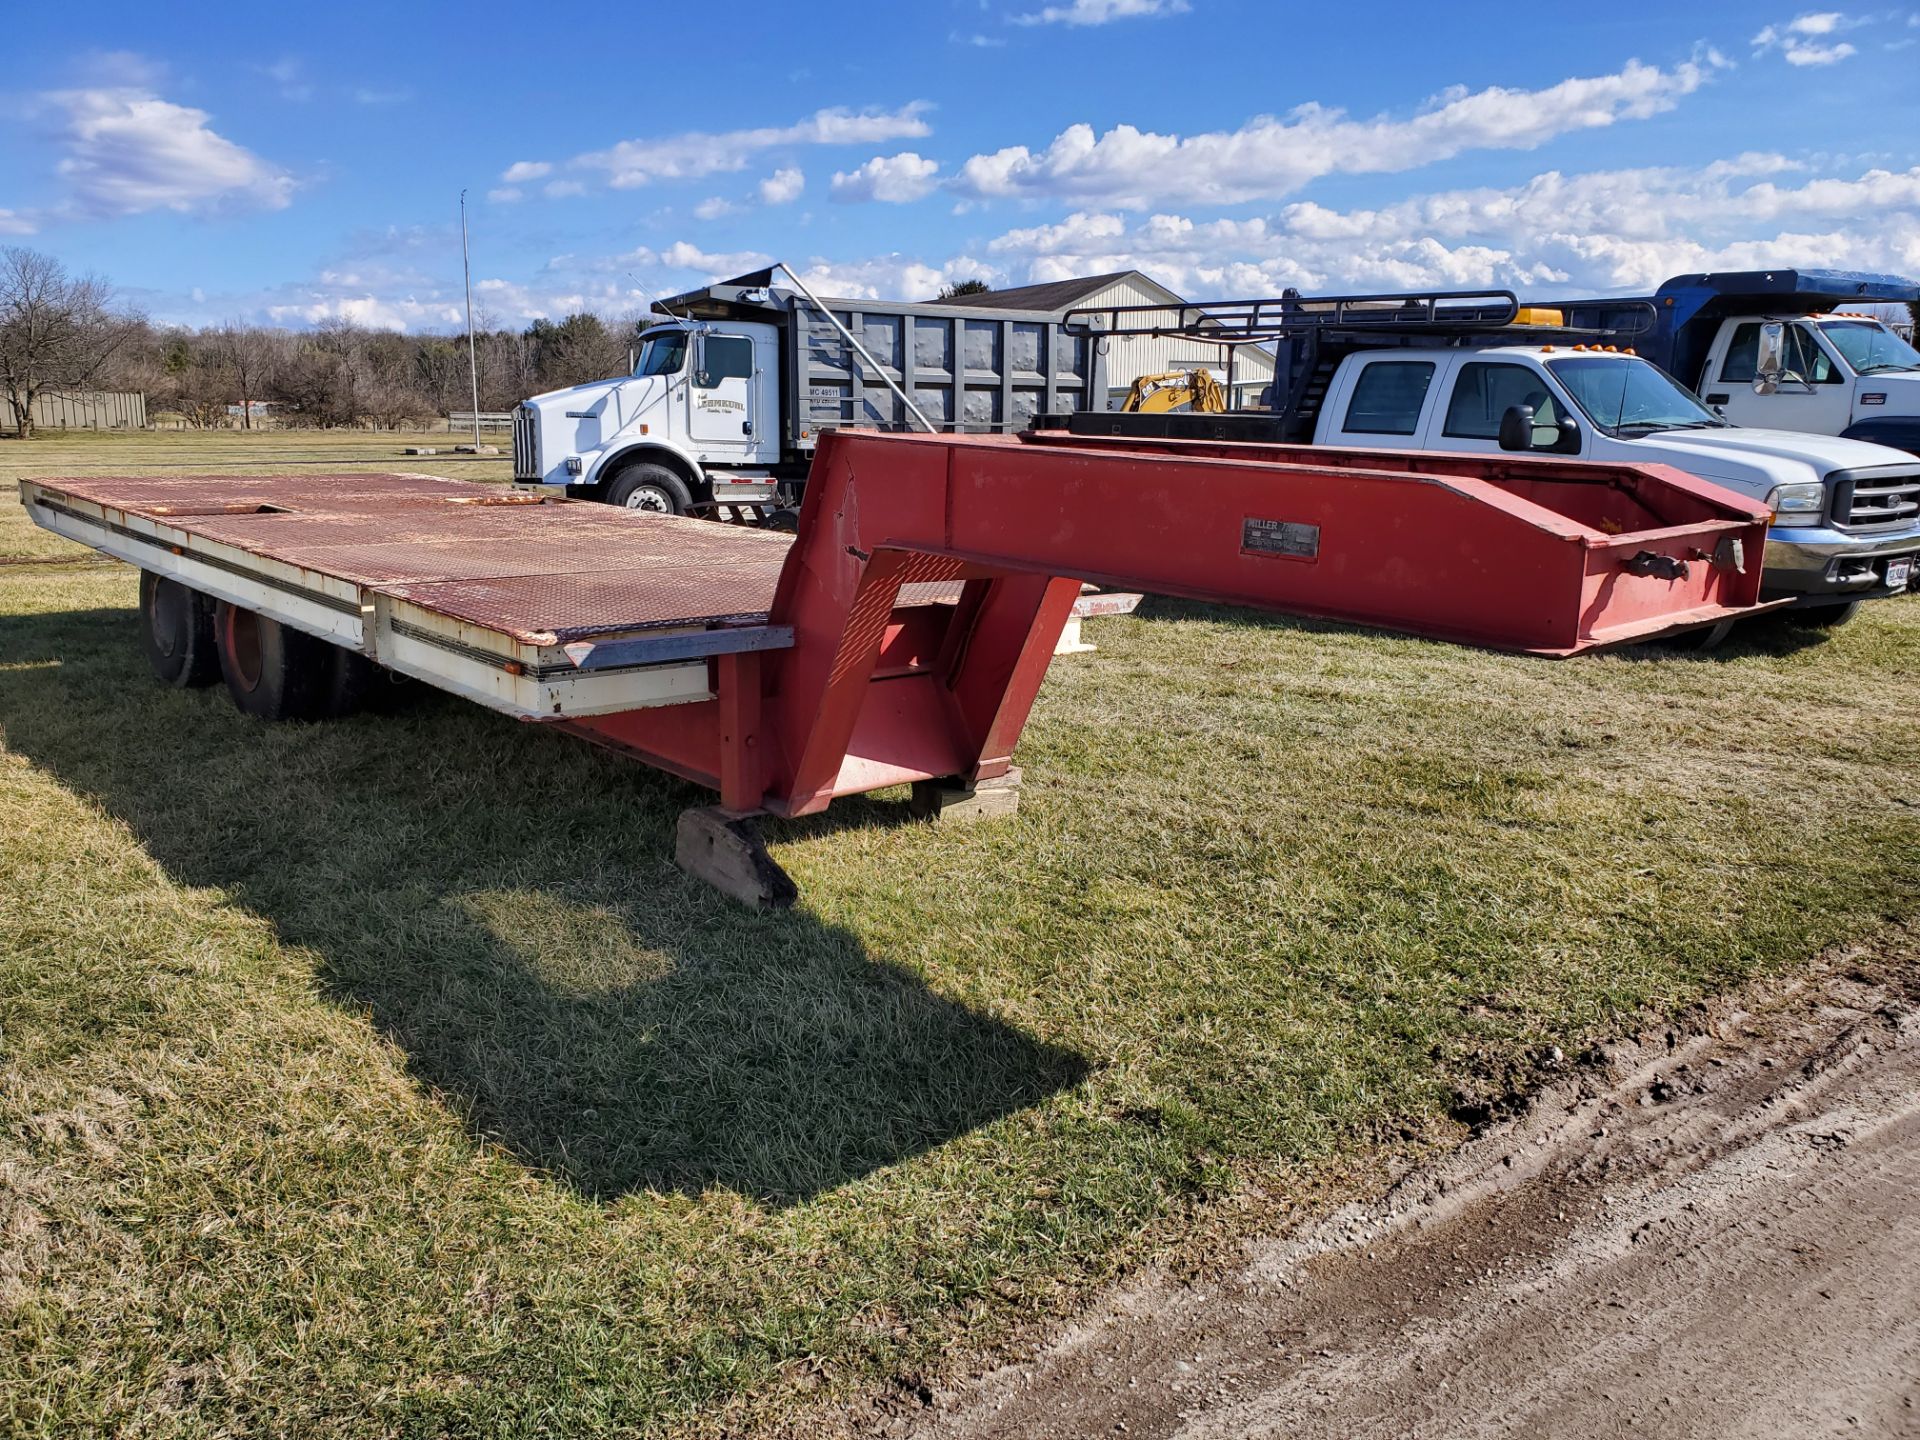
(1474, 371)
(732, 389)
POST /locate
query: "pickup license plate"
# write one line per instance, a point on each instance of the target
(1899, 572)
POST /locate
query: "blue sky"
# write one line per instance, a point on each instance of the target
(270, 164)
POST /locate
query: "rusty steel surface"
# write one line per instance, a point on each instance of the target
(543, 573)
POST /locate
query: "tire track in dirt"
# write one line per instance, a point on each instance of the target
(1706, 1235)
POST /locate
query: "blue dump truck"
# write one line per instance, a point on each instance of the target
(1779, 349)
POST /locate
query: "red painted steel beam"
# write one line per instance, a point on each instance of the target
(1515, 554)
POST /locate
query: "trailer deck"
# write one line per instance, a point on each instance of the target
(475, 588)
(902, 636)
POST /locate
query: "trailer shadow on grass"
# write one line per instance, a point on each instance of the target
(503, 903)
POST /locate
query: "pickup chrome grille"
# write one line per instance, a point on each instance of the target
(1872, 501)
(526, 446)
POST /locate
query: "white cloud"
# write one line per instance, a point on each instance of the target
(126, 151)
(1099, 12)
(633, 163)
(714, 208)
(289, 75)
(1801, 40)
(894, 277)
(1268, 157)
(522, 171)
(783, 186)
(13, 222)
(1800, 52)
(892, 179)
(1602, 231)
(505, 194)
(372, 311)
(563, 189)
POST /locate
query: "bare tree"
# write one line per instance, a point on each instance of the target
(247, 355)
(56, 332)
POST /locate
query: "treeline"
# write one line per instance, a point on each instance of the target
(61, 334)
(341, 374)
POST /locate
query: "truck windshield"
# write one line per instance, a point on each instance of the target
(1870, 348)
(662, 353)
(1630, 397)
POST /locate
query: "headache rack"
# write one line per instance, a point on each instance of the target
(1308, 335)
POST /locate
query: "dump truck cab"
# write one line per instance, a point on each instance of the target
(733, 388)
(1833, 374)
(700, 403)
(1784, 349)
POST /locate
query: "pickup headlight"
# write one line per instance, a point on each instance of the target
(1798, 504)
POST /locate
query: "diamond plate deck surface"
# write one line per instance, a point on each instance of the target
(481, 554)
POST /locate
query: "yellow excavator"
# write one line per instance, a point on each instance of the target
(1195, 391)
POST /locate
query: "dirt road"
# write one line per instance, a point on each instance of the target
(1707, 1234)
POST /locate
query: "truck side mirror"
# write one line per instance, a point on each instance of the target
(1770, 359)
(1568, 442)
(1516, 428)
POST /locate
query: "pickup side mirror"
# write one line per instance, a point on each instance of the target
(1516, 428)
(1520, 429)
(1770, 359)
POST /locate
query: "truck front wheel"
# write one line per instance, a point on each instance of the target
(1825, 617)
(176, 630)
(649, 487)
(272, 672)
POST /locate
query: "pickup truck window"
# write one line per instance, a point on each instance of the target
(662, 353)
(1388, 397)
(727, 357)
(1869, 348)
(1630, 397)
(1485, 391)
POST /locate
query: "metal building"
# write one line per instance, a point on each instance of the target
(86, 410)
(1133, 356)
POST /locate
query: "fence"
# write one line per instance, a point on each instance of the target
(86, 410)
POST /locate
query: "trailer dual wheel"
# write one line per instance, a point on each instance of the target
(649, 487)
(272, 672)
(176, 630)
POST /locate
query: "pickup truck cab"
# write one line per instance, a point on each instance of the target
(1846, 513)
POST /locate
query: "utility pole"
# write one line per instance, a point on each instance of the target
(473, 362)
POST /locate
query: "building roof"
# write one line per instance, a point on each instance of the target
(1054, 295)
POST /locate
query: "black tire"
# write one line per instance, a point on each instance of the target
(176, 631)
(272, 672)
(653, 488)
(1824, 617)
(1701, 638)
(786, 520)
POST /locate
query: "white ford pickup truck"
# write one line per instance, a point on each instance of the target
(1846, 513)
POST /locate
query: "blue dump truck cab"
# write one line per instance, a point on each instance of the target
(1780, 349)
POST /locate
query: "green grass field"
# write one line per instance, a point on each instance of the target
(386, 1078)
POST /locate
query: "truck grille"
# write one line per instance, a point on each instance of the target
(526, 446)
(1877, 500)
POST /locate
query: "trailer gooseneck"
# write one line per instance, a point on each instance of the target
(902, 636)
